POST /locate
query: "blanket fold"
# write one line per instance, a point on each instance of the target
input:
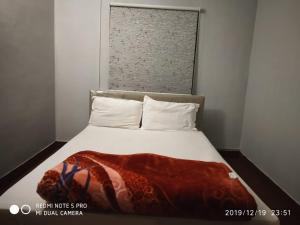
(146, 184)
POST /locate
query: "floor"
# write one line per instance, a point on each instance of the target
(271, 194)
(11, 178)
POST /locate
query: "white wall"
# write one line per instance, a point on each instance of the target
(271, 122)
(227, 30)
(225, 42)
(77, 43)
(26, 80)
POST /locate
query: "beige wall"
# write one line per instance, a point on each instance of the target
(271, 122)
(26, 79)
(225, 42)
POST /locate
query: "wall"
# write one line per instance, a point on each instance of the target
(225, 42)
(271, 122)
(77, 44)
(27, 79)
(226, 30)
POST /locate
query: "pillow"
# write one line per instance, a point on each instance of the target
(114, 112)
(158, 115)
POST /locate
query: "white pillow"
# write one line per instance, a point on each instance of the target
(158, 115)
(113, 112)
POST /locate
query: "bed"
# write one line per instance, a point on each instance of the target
(178, 144)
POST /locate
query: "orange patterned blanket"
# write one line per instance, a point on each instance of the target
(146, 184)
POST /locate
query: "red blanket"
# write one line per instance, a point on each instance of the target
(146, 184)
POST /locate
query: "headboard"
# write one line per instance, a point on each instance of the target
(139, 96)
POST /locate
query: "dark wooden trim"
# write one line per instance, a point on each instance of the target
(232, 153)
(18, 173)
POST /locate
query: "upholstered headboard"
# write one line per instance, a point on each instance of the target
(139, 96)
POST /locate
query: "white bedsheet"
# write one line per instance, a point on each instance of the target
(180, 144)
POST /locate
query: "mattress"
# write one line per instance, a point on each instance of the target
(180, 144)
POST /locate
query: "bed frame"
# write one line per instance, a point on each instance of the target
(139, 96)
